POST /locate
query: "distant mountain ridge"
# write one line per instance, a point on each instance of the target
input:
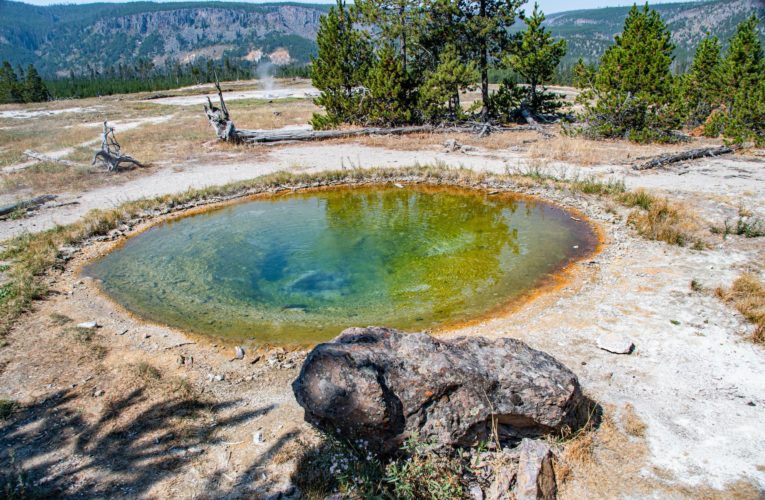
(63, 38)
(589, 32)
(59, 39)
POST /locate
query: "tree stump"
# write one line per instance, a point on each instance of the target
(110, 155)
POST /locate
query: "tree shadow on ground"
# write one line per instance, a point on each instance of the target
(49, 450)
(269, 487)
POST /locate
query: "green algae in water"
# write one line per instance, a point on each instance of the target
(300, 268)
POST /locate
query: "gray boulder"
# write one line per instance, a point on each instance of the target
(382, 386)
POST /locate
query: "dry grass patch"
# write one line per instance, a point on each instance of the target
(666, 221)
(169, 141)
(147, 372)
(261, 114)
(45, 177)
(659, 219)
(39, 135)
(587, 152)
(633, 424)
(748, 296)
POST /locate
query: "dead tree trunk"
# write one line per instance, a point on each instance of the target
(110, 154)
(26, 204)
(219, 118)
(533, 123)
(692, 154)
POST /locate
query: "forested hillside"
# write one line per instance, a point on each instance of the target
(82, 39)
(590, 32)
(61, 39)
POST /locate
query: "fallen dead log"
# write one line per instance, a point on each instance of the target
(26, 204)
(262, 136)
(692, 154)
(29, 153)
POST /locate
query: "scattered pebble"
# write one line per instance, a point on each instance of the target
(617, 344)
(257, 438)
(89, 325)
(238, 352)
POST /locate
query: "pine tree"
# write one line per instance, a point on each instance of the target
(583, 74)
(440, 92)
(535, 58)
(743, 67)
(9, 84)
(699, 90)
(486, 25)
(398, 21)
(34, 87)
(633, 85)
(744, 87)
(340, 68)
(389, 102)
(746, 122)
(639, 61)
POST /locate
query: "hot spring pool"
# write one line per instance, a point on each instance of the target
(299, 268)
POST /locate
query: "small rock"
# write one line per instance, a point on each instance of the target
(238, 352)
(216, 378)
(475, 491)
(123, 332)
(88, 325)
(255, 359)
(98, 393)
(536, 477)
(257, 438)
(503, 482)
(617, 344)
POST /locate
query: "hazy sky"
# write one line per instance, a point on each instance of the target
(548, 6)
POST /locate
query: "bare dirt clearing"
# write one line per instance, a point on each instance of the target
(122, 411)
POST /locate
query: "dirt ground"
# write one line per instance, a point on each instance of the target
(134, 409)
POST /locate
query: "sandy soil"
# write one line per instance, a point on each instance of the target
(694, 379)
(196, 100)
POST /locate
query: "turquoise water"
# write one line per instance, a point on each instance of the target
(299, 268)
